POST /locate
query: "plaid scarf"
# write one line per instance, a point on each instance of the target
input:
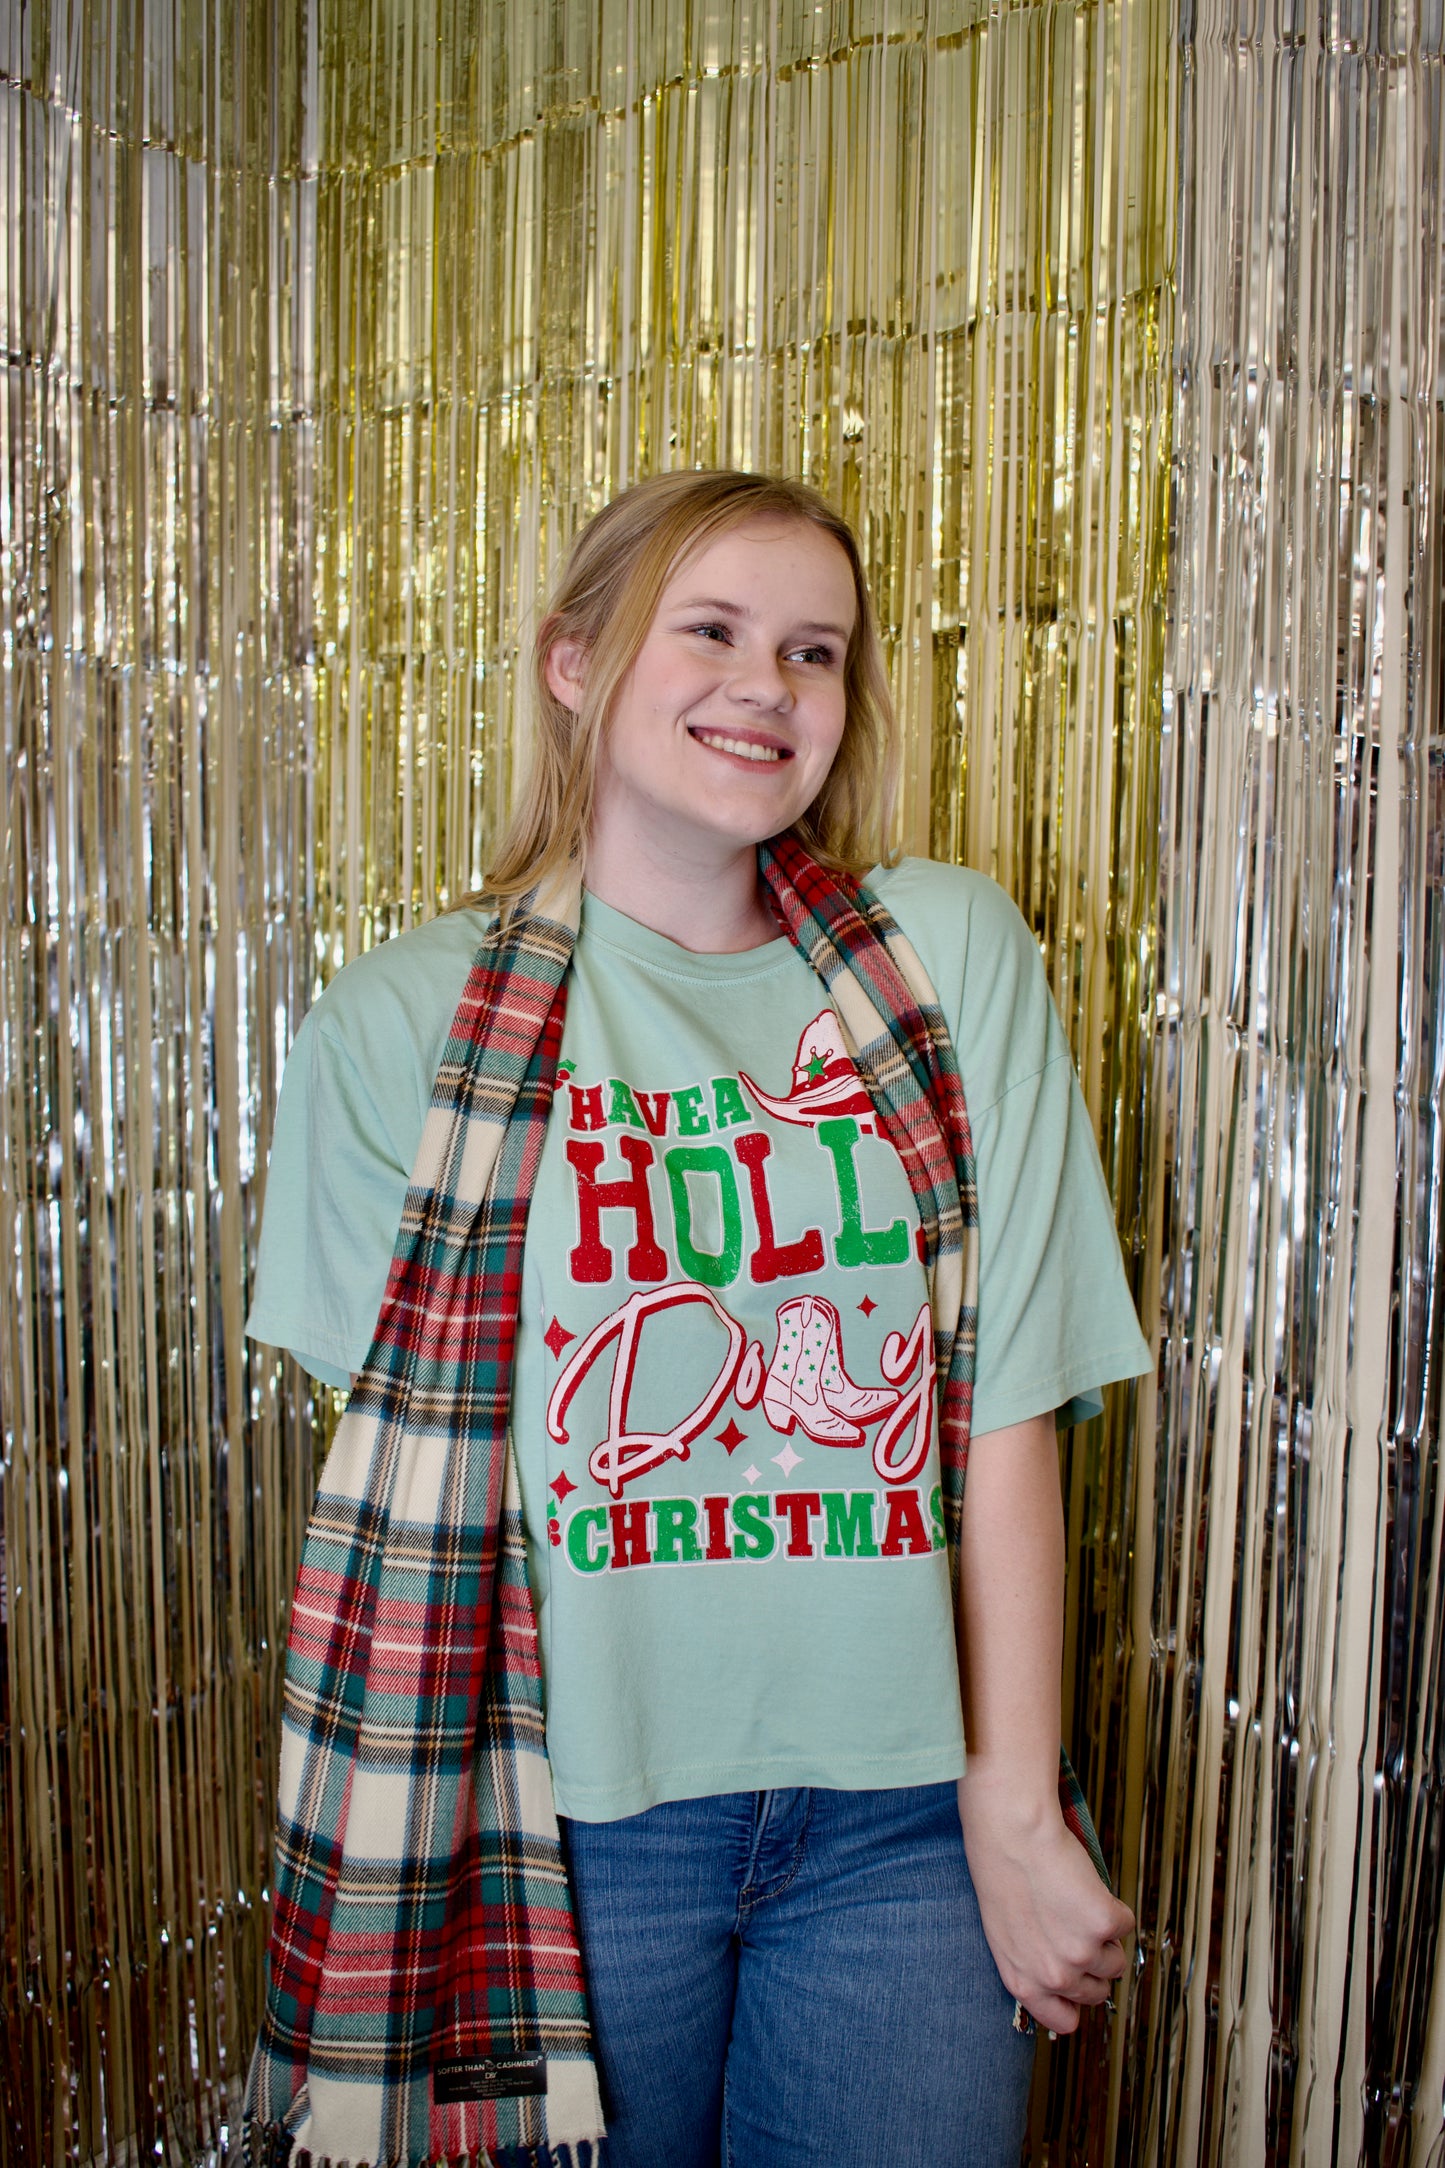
(425, 1997)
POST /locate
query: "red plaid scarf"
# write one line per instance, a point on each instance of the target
(424, 1991)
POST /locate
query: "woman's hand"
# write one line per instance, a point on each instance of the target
(1056, 1932)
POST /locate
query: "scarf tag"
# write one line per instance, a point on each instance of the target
(488, 2077)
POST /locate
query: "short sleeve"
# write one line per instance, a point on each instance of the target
(354, 1097)
(1055, 1317)
(1056, 1320)
(334, 1196)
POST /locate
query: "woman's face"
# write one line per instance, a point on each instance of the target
(725, 727)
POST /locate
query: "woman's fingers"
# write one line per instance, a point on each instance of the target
(1060, 2011)
(1054, 2013)
(1112, 1962)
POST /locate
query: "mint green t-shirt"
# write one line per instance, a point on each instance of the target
(723, 1406)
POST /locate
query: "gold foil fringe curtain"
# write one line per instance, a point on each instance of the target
(325, 326)
(156, 947)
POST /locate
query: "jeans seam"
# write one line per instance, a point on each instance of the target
(762, 1815)
(725, 2132)
(747, 1904)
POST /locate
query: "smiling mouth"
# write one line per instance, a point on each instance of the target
(744, 748)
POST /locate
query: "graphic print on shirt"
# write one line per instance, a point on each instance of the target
(793, 1375)
(825, 1086)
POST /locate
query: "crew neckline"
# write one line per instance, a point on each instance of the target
(602, 923)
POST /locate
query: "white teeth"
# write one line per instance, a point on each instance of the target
(742, 746)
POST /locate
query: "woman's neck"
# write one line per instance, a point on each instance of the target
(715, 909)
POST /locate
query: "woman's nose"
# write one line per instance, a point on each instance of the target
(760, 681)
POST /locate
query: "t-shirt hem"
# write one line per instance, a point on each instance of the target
(1077, 1380)
(311, 1348)
(278, 1331)
(884, 1772)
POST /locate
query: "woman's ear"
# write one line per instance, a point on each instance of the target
(564, 670)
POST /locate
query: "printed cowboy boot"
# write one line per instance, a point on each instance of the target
(855, 1403)
(792, 1389)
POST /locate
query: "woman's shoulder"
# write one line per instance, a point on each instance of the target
(985, 966)
(961, 920)
(413, 981)
(953, 900)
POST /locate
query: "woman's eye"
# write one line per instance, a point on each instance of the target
(712, 632)
(819, 655)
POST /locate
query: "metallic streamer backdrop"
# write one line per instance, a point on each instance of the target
(1283, 1762)
(155, 949)
(324, 327)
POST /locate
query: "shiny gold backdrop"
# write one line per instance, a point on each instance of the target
(324, 328)
(157, 259)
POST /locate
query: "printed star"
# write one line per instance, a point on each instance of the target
(752, 1474)
(557, 1336)
(787, 1460)
(563, 1486)
(731, 1438)
(815, 1068)
(867, 1305)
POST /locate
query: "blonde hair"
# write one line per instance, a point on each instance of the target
(605, 602)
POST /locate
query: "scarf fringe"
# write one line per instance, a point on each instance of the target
(270, 2145)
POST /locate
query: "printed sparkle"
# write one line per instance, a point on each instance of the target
(867, 1305)
(731, 1438)
(563, 1486)
(557, 1336)
(787, 1460)
(752, 1474)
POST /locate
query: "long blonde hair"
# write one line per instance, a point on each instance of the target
(605, 602)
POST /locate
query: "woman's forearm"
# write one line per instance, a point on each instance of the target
(1011, 1612)
(1054, 1929)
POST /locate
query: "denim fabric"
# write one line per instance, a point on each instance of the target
(784, 1978)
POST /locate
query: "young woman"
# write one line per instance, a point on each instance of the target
(684, 1215)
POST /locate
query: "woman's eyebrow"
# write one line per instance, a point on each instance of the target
(736, 609)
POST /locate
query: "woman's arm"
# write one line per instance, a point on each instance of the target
(1054, 1929)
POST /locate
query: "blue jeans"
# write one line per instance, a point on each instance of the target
(789, 1977)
